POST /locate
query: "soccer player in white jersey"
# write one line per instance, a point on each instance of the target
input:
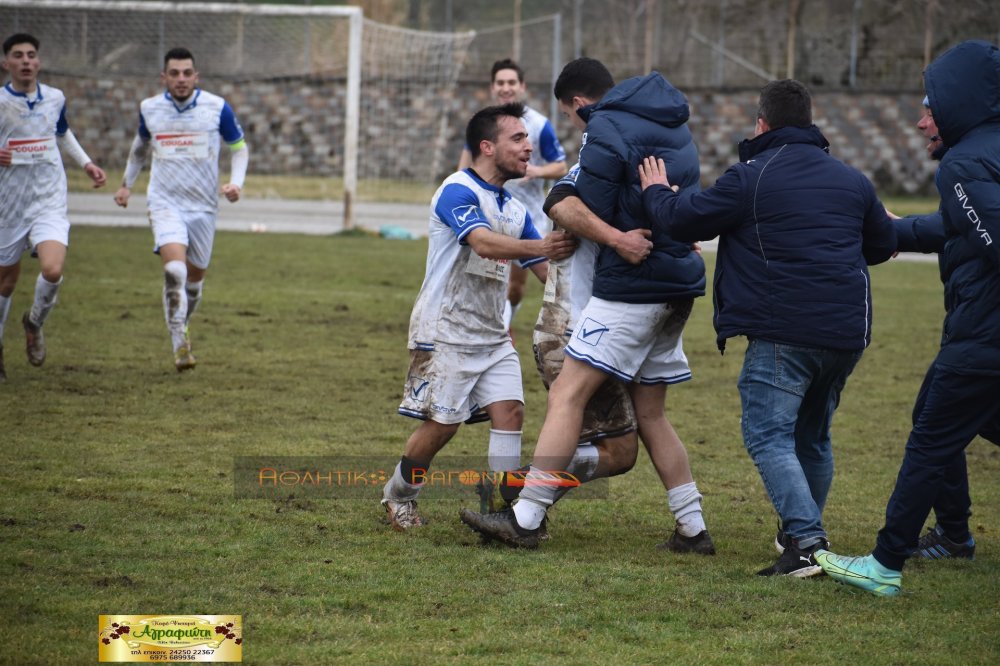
(33, 128)
(184, 126)
(548, 162)
(461, 357)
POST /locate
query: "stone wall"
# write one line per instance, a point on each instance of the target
(295, 126)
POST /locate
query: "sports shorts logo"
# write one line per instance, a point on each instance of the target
(418, 389)
(591, 332)
(466, 214)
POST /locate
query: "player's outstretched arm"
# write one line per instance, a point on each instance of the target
(487, 243)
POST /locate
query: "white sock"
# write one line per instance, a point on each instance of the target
(175, 300)
(4, 311)
(505, 450)
(193, 292)
(398, 490)
(685, 504)
(583, 465)
(45, 299)
(529, 514)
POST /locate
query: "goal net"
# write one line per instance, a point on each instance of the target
(320, 91)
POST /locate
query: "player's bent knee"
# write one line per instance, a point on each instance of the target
(622, 453)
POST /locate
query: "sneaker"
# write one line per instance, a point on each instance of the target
(501, 526)
(864, 572)
(184, 359)
(796, 562)
(34, 341)
(936, 546)
(402, 515)
(700, 543)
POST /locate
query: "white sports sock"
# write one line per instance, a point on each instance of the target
(193, 291)
(505, 450)
(529, 514)
(4, 311)
(398, 490)
(583, 465)
(685, 504)
(46, 294)
(175, 300)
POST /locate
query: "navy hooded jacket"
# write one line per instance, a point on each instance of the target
(963, 87)
(797, 230)
(640, 116)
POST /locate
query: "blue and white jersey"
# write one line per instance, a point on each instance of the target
(570, 282)
(34, 185)
(186, 140)
(545, 149)
(460, 304)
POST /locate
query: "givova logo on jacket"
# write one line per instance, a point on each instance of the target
(971, 213)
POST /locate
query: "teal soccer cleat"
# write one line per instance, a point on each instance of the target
(864, 572)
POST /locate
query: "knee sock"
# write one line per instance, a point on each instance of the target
(399, 487)
(193, 291)
(45, 299)
(4, 311)
(685, 504)
(505, 450)
(175, 300)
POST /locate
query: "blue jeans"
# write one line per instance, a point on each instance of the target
(789, 394)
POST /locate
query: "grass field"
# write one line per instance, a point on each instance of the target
(118, 493)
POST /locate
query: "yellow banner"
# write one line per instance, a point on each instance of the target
(170, 638)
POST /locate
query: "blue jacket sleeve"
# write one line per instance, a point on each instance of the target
(920, 233)
(878, 233)
(970, 199)
(696, 216)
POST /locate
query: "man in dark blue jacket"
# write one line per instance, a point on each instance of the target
(797, 230)
(959, 395)
(631, 327)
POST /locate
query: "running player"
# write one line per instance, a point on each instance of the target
(548, 162)
(461, 358)
(184, 126)
(33, 215)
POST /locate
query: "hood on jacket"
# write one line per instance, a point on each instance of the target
(651, 97)
(963, 88)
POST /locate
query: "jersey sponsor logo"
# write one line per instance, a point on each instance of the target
(33, 151)
(493, 269)
(970, 212)
(466, 215)
(179, 145)
(591, 332)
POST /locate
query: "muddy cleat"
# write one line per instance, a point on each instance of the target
(402, 515)
(34, 341)
(184, 359)
(864, 572)
(501, 526)
(700, 543)
(936, 546)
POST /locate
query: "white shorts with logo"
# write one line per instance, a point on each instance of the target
(14, 241)
(633, 341)
(193, 229)
(449, 386)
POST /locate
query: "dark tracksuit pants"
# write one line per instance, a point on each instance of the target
(951, 409)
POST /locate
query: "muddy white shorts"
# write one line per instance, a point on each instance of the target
(193, 229)
(15, 241)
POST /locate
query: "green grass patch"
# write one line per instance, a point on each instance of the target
(118, 495)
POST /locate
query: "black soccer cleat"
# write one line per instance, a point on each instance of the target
(501, 526)
(700, 543)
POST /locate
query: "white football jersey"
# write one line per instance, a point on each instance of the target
(545, 149)
(186, 140)
(460, 304)
(35, 183)
(570, 282)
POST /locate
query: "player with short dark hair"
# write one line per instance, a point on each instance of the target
(33, 215)
(462, 361)
(184, 126)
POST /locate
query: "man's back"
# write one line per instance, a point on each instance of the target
(639, 117)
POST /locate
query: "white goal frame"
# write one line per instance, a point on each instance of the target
(354, 15)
